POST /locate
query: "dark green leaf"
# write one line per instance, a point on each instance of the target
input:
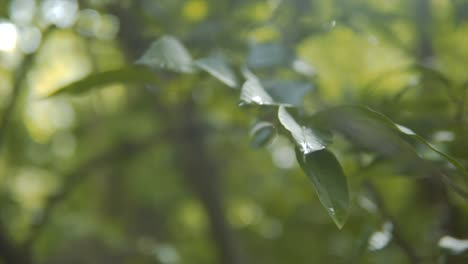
(261, 134)
(167, 53)
(330, 183)
(306, 139)
(218, 68)
(123, 75)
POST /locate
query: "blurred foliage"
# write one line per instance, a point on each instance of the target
(209, 131)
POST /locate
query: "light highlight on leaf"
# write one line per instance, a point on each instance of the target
(306, 139)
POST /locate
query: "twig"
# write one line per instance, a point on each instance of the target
(399, 239)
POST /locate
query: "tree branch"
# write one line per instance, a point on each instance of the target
(198, 168)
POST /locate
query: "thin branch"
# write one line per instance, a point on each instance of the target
(399, 238)
(78, 175)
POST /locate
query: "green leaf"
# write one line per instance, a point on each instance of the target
(330, 183)
(287, 92)
(218, 68)
(167, 53)
(306, 139)
(253, 93)
(123, 75)
(261, 134)
(378, 133)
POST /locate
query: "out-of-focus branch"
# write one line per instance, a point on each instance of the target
(78, 175)
(197, 166)
(398, 236)
(18, 84)
(10, 251)
(202, 175)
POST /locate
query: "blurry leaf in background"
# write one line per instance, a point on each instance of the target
(216, 66)
(267, 55)
(287, 92)
(167, 53)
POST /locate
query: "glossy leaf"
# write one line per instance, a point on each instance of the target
(97, 80)
(167, 53)
(330, 182)
(261, 134)
(218, 68)
(306, 139)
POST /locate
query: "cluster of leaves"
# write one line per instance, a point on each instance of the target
(312, 135)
